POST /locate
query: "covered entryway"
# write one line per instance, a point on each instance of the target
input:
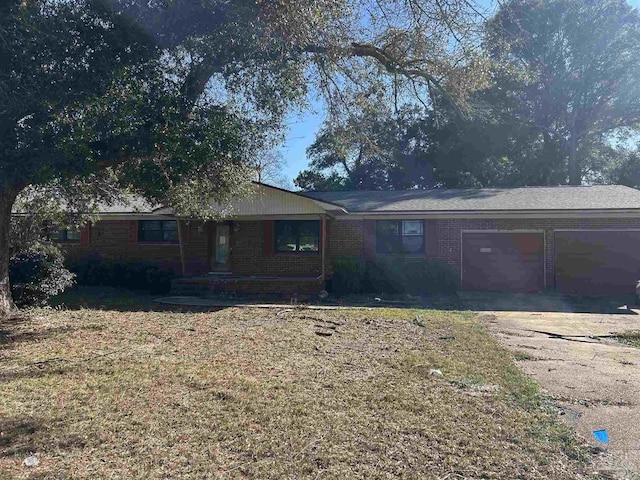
(511, 261)
(597, 262)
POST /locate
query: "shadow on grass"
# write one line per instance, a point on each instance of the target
(11, 332)
(17, 436)
(118, 299)
(546, 302)
(109, 298)
(501, 301)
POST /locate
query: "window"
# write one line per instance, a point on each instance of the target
(399, 236)
(297, 235)
(165, 231)
(67, 235)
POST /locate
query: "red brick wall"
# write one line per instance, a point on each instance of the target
(117, 240)
(345, 237)
(250, 257)
(448, 234)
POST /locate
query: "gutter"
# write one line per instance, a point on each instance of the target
(506, 214)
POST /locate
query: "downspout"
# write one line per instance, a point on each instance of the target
(323, 223)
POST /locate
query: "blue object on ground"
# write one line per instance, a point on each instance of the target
(601, 436)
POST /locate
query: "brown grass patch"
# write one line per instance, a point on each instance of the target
(249, 393)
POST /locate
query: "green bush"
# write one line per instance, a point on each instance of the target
(393, 275)
(38, 274)
(134, 275)
(348, 275)
(416, 276)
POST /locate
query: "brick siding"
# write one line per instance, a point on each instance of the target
(251, 255)
(115, 240)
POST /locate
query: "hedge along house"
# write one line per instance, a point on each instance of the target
(572, 239)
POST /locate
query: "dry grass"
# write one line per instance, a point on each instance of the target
(248, 393)
(630, 338)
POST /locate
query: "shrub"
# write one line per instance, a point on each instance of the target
(37, 274)
(134, 275)
(410, 275)
(348, 275)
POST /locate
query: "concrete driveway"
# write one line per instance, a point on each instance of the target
(595, 381)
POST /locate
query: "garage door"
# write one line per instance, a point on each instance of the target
(503, 261)
(597, 261)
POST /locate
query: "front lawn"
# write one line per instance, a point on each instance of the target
(257, 393)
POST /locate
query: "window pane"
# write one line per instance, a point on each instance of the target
(73, 235)
(151, 225)
(286, 236)
(412, 244)
(170, 225)
(151, 235)
(387, 227)
(58, 236)
(309, 228)
(297, 235)
(170, 236)
(388, 238)
(412, 227)
(308, 243)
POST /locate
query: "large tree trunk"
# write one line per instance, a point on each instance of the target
(7, 199)
(575, 172)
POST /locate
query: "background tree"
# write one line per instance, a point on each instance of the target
(376, 150)
(568, 77)
(268, 167)
(562, 100)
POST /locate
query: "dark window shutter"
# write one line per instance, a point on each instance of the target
(186, 232)
(369, 230)
(268, 237)
(326, 232)
(85, 234)
(133, 231)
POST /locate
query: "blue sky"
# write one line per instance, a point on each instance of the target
(302, 128)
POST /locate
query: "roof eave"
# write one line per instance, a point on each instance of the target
(559, 213)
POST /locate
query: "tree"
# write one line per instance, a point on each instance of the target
(375, 150)
(569, 76)
(268, 168)
(98, 97)
(563, 96)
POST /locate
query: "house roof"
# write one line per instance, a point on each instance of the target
(533, 200)
(597, 197)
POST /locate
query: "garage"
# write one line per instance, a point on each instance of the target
(508, 261)
(597, 262)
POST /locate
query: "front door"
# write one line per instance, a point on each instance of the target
(221, 251)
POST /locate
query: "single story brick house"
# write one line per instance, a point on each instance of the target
(571, 239)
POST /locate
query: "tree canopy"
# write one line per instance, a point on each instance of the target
(170, 99)
(562, 107)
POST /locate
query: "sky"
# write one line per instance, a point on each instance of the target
(302, 128)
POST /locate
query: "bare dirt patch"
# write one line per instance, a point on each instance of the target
(248, 393)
